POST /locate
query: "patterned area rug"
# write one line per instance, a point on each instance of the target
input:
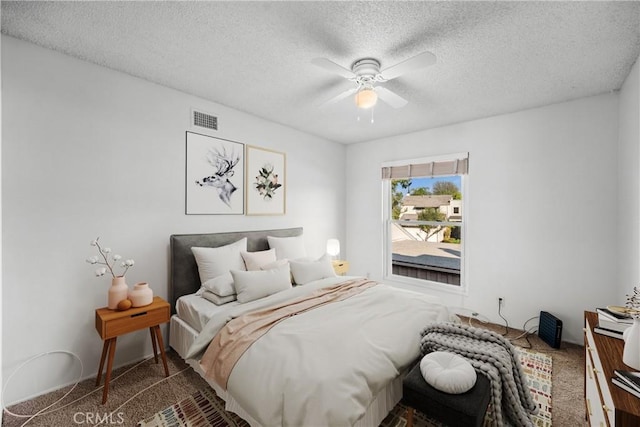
(202, 409)
(537, 367)
(205, 408)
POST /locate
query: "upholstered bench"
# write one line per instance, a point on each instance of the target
(465, 409)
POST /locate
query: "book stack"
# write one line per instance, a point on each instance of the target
(612, 323)
(627, 380)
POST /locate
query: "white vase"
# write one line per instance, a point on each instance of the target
(631, 354)
(141, 295)
(117, 292)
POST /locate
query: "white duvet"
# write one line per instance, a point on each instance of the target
(325, 366)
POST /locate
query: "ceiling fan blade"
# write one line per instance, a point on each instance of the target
(337, 98)
(391, 98)
(333, 67)
(419, 61)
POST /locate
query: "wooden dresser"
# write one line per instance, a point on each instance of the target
(606, 404)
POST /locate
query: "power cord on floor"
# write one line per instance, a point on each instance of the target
(44, 410)
(506, 322)
(471, 314)
(22, 365)
(526, 332)
(141, 391)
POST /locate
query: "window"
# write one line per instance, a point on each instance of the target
(424, 220)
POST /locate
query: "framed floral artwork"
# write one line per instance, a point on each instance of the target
(266, 173)
(214, 176)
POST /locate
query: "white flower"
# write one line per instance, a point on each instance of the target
(105, 258)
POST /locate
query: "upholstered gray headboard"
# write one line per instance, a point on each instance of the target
(184, 270)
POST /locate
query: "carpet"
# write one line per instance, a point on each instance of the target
(204, 408)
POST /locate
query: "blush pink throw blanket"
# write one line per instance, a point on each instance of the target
(236, 337)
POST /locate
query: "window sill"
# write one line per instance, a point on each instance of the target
(424, 285)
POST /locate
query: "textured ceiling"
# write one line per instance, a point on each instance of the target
(492, 57)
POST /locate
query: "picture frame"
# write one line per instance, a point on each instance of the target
(266, 188)
(214, 175)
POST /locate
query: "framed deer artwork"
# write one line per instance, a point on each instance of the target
(266, 181)
(214, 176)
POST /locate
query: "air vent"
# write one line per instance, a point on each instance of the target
(204, 120)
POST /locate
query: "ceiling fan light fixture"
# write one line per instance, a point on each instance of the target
(366, 98)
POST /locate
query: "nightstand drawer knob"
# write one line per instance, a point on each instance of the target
(144, 313)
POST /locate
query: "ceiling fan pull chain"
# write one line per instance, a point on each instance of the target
(372, 108)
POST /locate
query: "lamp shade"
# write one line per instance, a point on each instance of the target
(366, 98)
(333, 247)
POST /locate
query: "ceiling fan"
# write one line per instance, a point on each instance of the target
(367, 76)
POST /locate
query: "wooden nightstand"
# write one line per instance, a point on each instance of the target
(341, 267)
(110, 324)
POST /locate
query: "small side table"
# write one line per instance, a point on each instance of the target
(340, 267)
(110, 324)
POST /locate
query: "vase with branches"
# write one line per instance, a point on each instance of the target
(119, 289)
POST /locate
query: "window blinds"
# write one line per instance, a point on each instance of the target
(458, 166)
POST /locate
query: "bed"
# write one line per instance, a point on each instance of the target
(341, 363)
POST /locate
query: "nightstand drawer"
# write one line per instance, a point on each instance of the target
(118, 323)
(136, 321)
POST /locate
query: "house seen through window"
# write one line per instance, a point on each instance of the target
(425, 222)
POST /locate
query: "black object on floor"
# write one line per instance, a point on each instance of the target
(460, 410)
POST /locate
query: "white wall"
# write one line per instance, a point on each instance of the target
(540, 184)
(629, 185)
(91, 152)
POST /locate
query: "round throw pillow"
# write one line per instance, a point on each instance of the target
(448, 372)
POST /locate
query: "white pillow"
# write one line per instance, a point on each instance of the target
(213, 262)
(307, 271)
(288, 247)
(448, 372)
(221, 285)
(216, 299)
(253, 285)
(255, 260)
(275, 264)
